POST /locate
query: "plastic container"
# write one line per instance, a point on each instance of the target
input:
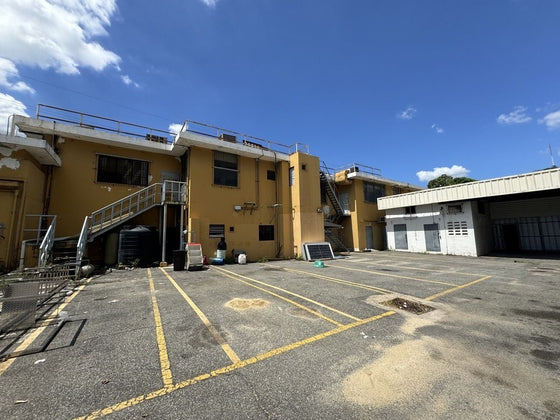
(242, 259)
(137, 245)
(221, 253)
(179, 260)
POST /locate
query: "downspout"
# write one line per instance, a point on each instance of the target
(257, 192)
(276, 215)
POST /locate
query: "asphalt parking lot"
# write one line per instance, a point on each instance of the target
(284, 339)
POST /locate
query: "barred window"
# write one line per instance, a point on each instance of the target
(373, 191)
(225, 169)
(266, 232)
(117, 170)
(216, 231)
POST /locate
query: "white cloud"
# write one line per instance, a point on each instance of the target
(552, 120)
(454, 171)
(438, 129)
(8, 71)
(517, 116)
(175, 128)
(407, 114)
(57, 34)
(128, 81)
(8, 106)
(210, 3)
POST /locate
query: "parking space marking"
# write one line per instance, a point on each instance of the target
(391, 275)
(228, 369)
(160, 337)
(404, 267)
(29, 340)
(225, 346)
(453, 289)
(239, 277)
(335, 280)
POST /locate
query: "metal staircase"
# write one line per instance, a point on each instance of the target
(106, 218)
(327, 184)
(337, 245)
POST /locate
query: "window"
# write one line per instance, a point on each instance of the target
(266, 232)
(271, 175)
(410, 210)
(397, 190)
(292, 176)
(373, 191)
(216, 231)
(117, 170)
(225, 169)
(454, 209)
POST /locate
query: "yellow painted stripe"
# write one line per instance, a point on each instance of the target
(335, 280)
(228, 369)
(454, 289)
(160, 337)
(225, 346)
(392, 275)
(305, 308)
(417, 268)
(29, 340)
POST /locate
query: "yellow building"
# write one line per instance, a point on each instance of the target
(95, 175)
(350, 199)
(94, 180)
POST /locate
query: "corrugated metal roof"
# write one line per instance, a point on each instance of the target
(548, 179)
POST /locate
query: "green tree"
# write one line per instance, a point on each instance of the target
(445, 180)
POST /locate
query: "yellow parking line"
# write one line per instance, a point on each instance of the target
(305, 308)
(228, 369)
(225, 346)
(392, 275)
(453, 289)
(162, 346)
(29, 340)
(404, 267)
(335, 280)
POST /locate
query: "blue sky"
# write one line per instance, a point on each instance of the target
(415, 88)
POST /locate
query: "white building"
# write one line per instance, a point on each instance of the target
(519, 213)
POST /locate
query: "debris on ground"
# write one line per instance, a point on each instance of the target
(408, 305)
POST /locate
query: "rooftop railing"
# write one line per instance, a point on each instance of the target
(95, 122)
(359, 167)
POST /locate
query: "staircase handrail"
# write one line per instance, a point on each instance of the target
(82, 244)
(47, 243)
(333, 196)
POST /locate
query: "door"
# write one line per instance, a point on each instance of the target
(369, 237)
(9, 216)
(401, 241)
(431, 234)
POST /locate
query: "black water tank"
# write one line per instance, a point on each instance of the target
(138, 245)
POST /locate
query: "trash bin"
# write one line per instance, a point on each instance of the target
(179, 260)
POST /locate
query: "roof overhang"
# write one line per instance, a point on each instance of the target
(33, 127)
(531, 182)
(41, 151)
(194, 139)
(365, 176)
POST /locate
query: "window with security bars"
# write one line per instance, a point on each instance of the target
(457, 228)
(225, 169)
(118, 170)
(373, 191)
(216, 231)
(266, 232)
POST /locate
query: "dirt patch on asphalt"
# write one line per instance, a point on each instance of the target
(408, 305)
(246, 304)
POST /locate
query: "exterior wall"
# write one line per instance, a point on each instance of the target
(76, 193)
(453, 241)
(215, 204)
(308, 220)
(21, 192)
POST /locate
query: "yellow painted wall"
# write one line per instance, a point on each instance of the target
(308, 222)
(76, 193)
(23, 188)
(214, 204)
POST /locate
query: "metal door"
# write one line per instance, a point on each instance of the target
(431, 234)
(401, 241)
(369, 237)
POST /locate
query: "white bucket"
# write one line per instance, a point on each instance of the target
(221, 253)
(242, 259)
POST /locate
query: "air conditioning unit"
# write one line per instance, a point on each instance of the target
(228, 137)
